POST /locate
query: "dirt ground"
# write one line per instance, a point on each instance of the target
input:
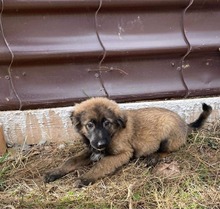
(188, 179)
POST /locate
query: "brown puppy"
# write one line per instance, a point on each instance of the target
(114, 136)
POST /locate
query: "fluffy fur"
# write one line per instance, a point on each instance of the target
(114, 136)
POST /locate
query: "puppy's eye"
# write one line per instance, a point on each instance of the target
(106, 123)
(90, 125)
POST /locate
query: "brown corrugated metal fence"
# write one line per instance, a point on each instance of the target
(55, 53)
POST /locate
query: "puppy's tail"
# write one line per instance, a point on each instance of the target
(202, 118)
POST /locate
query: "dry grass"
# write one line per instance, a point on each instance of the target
(135, 186)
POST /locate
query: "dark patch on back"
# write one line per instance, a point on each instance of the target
(163, 146)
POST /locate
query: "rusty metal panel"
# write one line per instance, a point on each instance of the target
(143, 48)
(53, 48)
(55, 53)
(201, 66)
(8, 99)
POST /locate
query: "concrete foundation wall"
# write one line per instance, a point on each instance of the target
(54, 125)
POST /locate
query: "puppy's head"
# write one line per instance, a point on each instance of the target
(98, 119)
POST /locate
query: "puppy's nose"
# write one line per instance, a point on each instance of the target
(101, 144)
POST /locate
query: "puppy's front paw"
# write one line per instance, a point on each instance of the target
(51, 176)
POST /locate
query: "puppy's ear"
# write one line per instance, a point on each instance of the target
(76, 120)
(122, 120)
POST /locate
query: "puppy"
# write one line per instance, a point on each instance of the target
(113, 136)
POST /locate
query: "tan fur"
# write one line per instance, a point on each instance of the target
(144, 132)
